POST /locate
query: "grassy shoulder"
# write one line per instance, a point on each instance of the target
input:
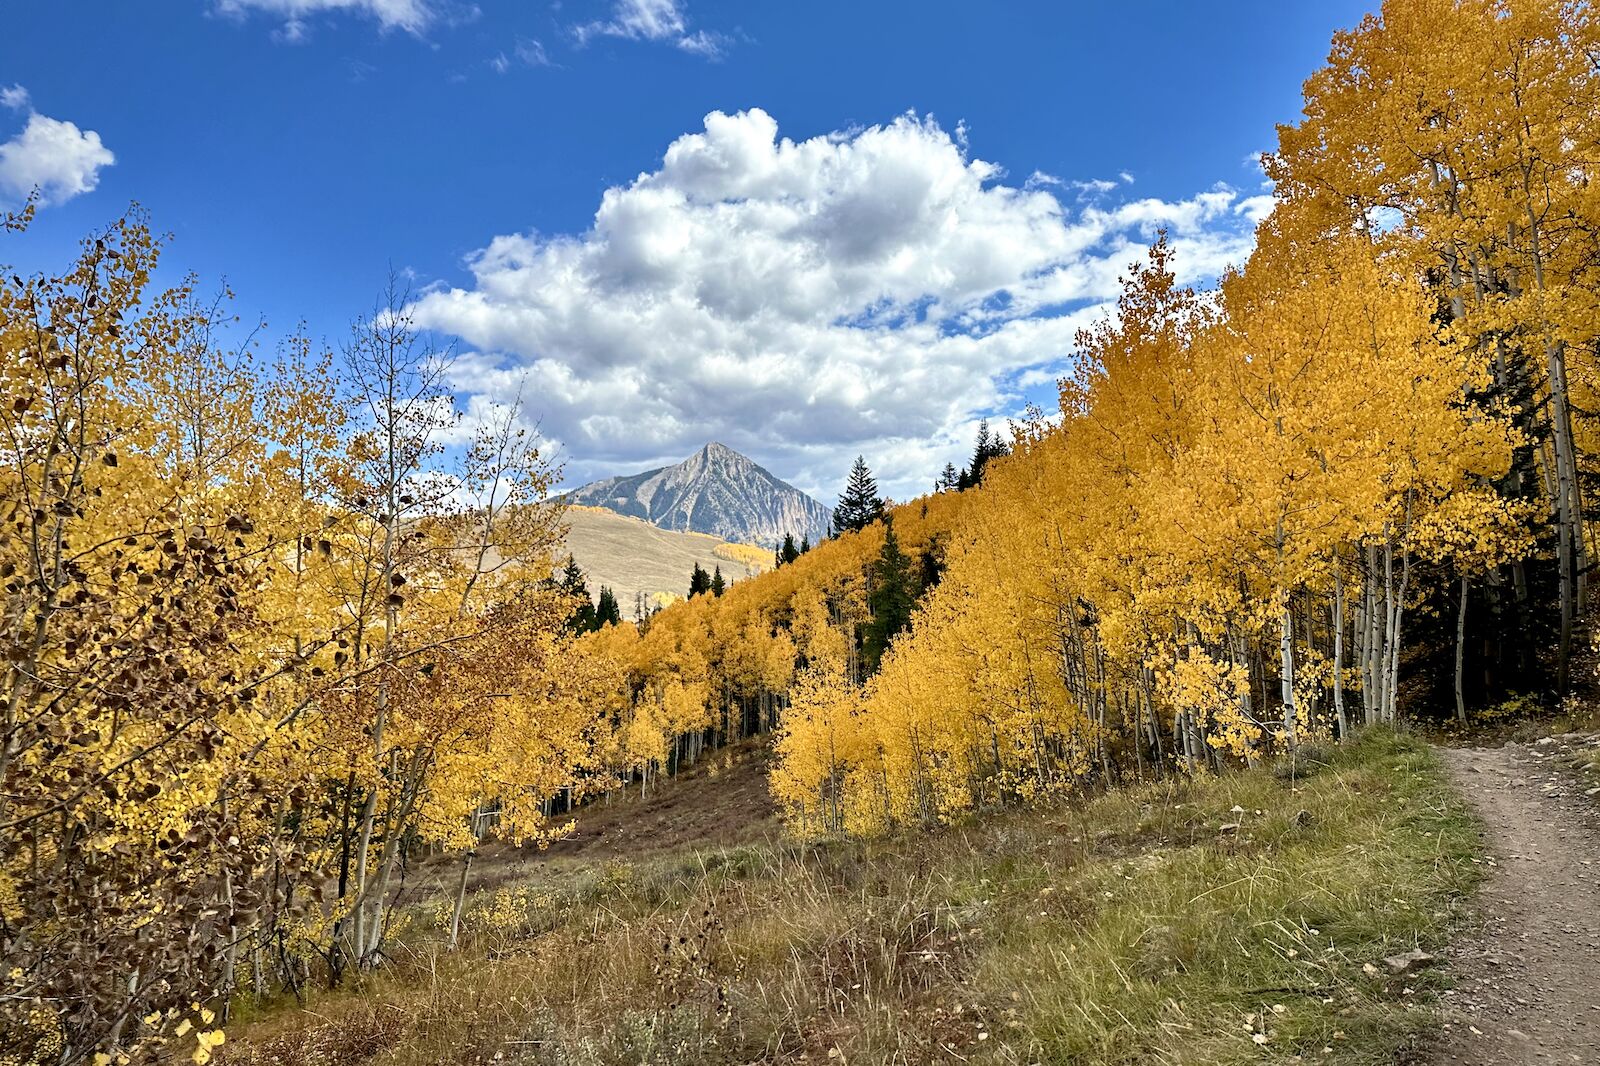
(1225, 919)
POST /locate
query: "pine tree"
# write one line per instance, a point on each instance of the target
(893, 595)
(859, 505)
(583, 618)
(718, 585)
(699, 581)
(608, 612)
(949, 479)
(988, 446)
(572, 578)
(788, 553)
(805, 545)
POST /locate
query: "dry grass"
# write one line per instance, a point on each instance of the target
(629, 555)
(1158, 924)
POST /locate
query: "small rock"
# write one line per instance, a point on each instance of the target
(1412, 960)
(1545, 742)
(1592, 792)
(1228, 827)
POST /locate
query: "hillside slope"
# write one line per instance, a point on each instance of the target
(629, 555)
(1238, 918)
(716, 491)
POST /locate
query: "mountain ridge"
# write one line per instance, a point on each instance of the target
(717, 491)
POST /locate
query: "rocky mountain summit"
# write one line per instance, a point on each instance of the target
(718, 491)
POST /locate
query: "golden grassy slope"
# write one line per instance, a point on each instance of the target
(629, 555)
(1229, 919)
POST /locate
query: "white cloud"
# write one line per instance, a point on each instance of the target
(412, 16)
(872, 291)
(529, 52)
(1255, 208)
(662, 21)
(50, 155)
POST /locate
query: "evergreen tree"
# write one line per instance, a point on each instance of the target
(699, 581)
(608, 612)
(583, 618)
(931, 564)
(948, 479)
(805, 545)
(718, 585)
(859, 505)
(988, 446)
(893, 595)
(788, 553)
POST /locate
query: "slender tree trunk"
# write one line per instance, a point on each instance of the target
(363, 848)
(1338, 658)
(1461, 646)
(1286, 670)
(461, 899)
(1569, 537)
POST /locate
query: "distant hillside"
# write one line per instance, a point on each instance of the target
(717, 491)
(629, 555)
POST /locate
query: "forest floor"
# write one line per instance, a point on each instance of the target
(1264, 916)
(1527, 985)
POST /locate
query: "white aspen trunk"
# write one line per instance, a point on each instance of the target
(1461, 645)
(1568, 514)
(1286, 670)
(1240, 659)
(1338, 658)
(1370, 680)
(1392, 711)
(461, 900)
(363, 848)
(1390, 604)
(1569, 508)
(1389, 623)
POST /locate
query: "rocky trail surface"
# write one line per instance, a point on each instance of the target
(1527, 986)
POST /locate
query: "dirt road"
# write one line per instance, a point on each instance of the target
(1528, 987)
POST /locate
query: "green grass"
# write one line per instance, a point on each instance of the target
(1153, 925)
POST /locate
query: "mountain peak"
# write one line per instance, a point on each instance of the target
(718, 491)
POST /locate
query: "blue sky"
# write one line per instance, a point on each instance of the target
(961, 184)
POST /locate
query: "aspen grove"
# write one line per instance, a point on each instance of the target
(257, 652)
(1347, 483)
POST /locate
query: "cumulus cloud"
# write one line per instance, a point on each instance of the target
(411, 16)
(872, 291)
(662, 21)
(49, 155)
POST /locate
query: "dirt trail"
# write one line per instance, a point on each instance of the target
(1528, 987)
